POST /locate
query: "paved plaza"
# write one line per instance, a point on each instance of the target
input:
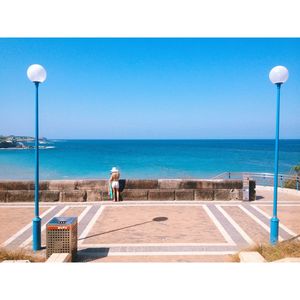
(158, 231)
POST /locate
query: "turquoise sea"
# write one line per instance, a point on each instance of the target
(70, 159)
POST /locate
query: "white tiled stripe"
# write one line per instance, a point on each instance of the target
(245, 236)
(4, 205)
(287, 203)
(90, 225)
(258, 221)
(185, 253)
(26, 242)
(280, 224)
(153, 244)
(219, 226)
(86, 210)
(172, 203)
(279, 204)
(15, 236)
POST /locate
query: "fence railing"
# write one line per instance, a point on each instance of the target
(265, 179)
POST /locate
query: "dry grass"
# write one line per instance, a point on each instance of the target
(291, 183)
(235, 257)
(20, 254)
(289, 248)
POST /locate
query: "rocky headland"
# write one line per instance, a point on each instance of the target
(19, 142)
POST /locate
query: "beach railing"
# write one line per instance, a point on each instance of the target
(265, 179)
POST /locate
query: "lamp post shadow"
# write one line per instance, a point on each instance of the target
(90, 254)
(156, 219)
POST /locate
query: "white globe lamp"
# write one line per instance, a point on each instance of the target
(279, 75)
(36, 73)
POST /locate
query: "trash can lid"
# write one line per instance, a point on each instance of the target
(62, 220)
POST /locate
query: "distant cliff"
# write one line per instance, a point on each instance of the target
(12, 141)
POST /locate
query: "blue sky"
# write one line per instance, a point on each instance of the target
(150, 88)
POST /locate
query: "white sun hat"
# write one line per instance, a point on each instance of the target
(114, 170)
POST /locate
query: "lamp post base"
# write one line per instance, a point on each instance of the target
(36, 233)
(274, 224)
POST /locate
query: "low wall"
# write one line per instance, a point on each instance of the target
(131, 189)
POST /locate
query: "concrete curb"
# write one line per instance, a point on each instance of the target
(251, 257)
(284, 190)
(59, 258)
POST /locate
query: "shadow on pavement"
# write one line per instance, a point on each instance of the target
(90, 254)
(156, 219)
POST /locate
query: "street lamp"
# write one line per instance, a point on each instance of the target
(278, 75)
(37, 74)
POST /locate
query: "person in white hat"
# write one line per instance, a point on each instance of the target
(114, 183)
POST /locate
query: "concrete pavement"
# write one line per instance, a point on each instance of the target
(159, 231)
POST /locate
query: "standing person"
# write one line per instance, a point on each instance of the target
(114, 183)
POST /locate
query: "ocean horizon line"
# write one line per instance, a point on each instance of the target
(173, 139)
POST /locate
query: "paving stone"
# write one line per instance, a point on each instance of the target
(153, 258)
(284, 234)
(251, 227)
(12, 219)
(137, 224)
(289, 216)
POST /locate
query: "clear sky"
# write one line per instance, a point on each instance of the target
(150, 88)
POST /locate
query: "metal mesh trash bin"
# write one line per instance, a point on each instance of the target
(61, 236)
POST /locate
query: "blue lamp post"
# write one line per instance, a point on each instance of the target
(37, 74)
(278, 75)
